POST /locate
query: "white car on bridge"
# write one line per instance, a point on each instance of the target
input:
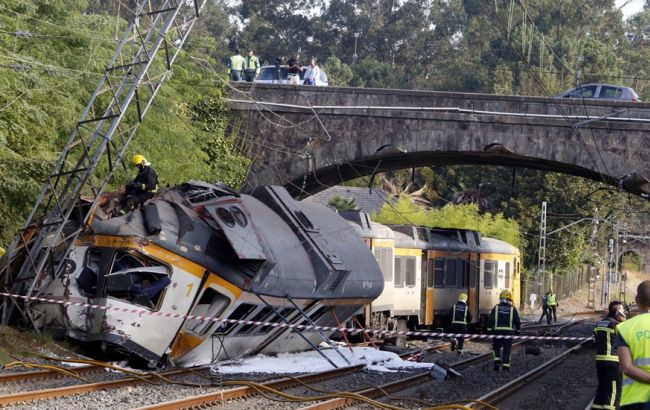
(271, 74)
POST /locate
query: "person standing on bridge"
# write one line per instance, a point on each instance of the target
(552, 306)
(633, 348)
(609, 375)
(236, 65)
(504, 320)
(294, 68)
(251, 66)
(312, 75)
(460, 318)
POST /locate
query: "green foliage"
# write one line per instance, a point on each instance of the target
(343, 204)
(338, 73)
(451, 216)
(48, 77)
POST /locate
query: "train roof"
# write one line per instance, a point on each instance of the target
(366, 227)
(267, 243)
(494, 245)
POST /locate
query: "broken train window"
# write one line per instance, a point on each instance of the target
(137, 278)
(211, 304)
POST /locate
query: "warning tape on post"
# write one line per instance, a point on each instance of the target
(352, 331)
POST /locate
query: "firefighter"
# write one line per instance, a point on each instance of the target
(2, 251)
(460, 318)
(633, 348)
(504, 320)
(609, 375)
(143, 187)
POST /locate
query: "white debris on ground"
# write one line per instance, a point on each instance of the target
(309, 362)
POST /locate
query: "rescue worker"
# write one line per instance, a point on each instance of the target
(143, 187)
(460, 318)
(609, 375)
(504, 320)
(544, 308)
(633, 348)
(2, 251)
(552, 307)
(251, 66)
(236, 65)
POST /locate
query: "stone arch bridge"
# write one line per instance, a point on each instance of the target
(309, 138)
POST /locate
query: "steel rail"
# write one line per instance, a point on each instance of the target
(34, 395)
(48, 374)
(247, 391)
(517, 384)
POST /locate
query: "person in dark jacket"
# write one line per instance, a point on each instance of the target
(460, 318)
(143, 187)
(610, 377)
(544, 308)
(504, 320)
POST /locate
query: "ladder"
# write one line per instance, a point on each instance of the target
(141, 64)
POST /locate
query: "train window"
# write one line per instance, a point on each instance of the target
(384, 257)
(137, 278)
(462, 274)
(410, 272)
(430, 271)
(489, 270)
(507, 273)
(273, 318)
(439, 279)
(451, 273)
(257, 318)
(87, 280)
(399, 275)
(240, 313)
(211, 304)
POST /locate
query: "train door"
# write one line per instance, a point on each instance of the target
(516, 282)
(425, 284)
(473, 288)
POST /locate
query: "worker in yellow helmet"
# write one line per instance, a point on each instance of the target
(504, 320)
(460, 318)
(2, 251)
(143, 187)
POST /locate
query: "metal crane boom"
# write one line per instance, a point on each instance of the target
(141, 64)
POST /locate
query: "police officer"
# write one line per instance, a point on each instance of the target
(633, 348)
(144, 186)
(460, 318)
(251, 66)
(609, 375)
(236, 65)
(552, 307)
(504, 320)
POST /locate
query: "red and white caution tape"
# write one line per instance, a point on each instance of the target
(353, 331)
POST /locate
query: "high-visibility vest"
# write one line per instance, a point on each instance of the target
(252, 63)
(460, 313)
(552, 300)
(604, 336)
(503, 317)
(636, 333)
(236, 63)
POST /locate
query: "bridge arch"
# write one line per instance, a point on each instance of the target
(309, 138)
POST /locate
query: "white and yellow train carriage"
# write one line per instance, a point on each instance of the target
(430, 268)
(204, 250)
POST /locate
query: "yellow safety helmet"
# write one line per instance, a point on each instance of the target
(138, 160)
(505, 294)
(462, 297)
(2, 251)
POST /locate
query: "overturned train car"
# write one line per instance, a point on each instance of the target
(215, 253)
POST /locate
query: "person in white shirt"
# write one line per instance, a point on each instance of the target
(312, 76)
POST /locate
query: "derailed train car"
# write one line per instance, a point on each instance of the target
(202, 249)
(426, 269)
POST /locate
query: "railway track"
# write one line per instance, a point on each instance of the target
(79, 372)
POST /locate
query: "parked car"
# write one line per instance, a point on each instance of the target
(268, 75)
(602, 92)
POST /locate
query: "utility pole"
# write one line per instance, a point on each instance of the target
(541, 262)
(591, 296)
(610, 271)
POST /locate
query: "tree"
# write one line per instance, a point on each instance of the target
(343, 204)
